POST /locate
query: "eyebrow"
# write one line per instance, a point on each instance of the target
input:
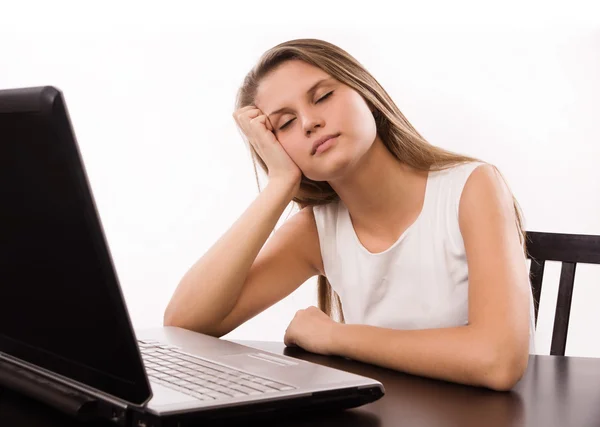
(308, 92)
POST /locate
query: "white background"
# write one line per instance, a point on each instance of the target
(151, 87)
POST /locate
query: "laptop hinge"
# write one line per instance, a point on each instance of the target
(54, 391)
(65, 399)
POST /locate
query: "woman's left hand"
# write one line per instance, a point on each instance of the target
(312, 330)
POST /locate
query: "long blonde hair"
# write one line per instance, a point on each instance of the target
(398, 135)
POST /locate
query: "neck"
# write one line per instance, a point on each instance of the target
(381, 192)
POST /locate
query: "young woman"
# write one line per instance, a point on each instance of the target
(420, 252)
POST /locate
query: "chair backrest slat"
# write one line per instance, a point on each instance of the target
(569, 249)
(536, 273)
(564, 247)
(563, 309)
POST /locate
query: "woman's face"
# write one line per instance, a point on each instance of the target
(302, 114)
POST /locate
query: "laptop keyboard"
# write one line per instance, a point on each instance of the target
(200, 378)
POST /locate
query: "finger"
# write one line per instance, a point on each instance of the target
(269, 125)
(289, 342)
(246, 108)
(238, 113)
(255, 112)
(249, 113)
(260, 119)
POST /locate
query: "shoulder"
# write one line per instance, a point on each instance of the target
(325, 207)
(485, 198)
(453, 178)
(449, 184)
(466, 169)
(325, 214)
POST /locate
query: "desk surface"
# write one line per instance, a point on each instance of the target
(555, 391)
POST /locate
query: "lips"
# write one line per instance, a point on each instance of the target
(323, 140)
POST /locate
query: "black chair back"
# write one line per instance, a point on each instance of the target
(570, 249)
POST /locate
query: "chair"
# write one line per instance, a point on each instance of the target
(570, 249)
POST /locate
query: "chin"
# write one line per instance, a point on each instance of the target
(332, 171)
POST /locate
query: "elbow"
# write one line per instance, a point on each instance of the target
(505, 379)
(505, 370)
(173, 320)
(172, 317)
(169, 318)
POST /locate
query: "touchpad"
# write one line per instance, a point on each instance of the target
(257, 362)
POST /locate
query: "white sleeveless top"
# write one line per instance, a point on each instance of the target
(421, 281)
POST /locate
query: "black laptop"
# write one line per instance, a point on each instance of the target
(66, 337)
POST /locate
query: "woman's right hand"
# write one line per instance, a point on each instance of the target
(259, 131)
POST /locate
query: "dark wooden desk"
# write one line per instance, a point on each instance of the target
(556, 391)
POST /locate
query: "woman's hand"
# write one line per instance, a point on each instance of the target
(257, 127)
(312, 330)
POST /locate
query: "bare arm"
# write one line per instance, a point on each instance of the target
(235, 279)
(288, 259)
(492, 350)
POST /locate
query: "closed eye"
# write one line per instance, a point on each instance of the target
(324, 96)
(319, 100)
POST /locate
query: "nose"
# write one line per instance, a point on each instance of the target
(311, 123)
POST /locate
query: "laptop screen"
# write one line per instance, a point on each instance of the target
(61, 307)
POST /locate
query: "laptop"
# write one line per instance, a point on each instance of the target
(66, 337)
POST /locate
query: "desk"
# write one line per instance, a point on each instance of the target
(555, 392)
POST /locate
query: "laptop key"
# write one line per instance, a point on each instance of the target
(226, 370)
(244, 389)
(185, 376)
(278, 386)
(188, 374)
(159, 375)
(205, 398)
(259, 387)
(237, 394)
(188, 364)
(212, 386)
(218, 395)
(178, 388)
